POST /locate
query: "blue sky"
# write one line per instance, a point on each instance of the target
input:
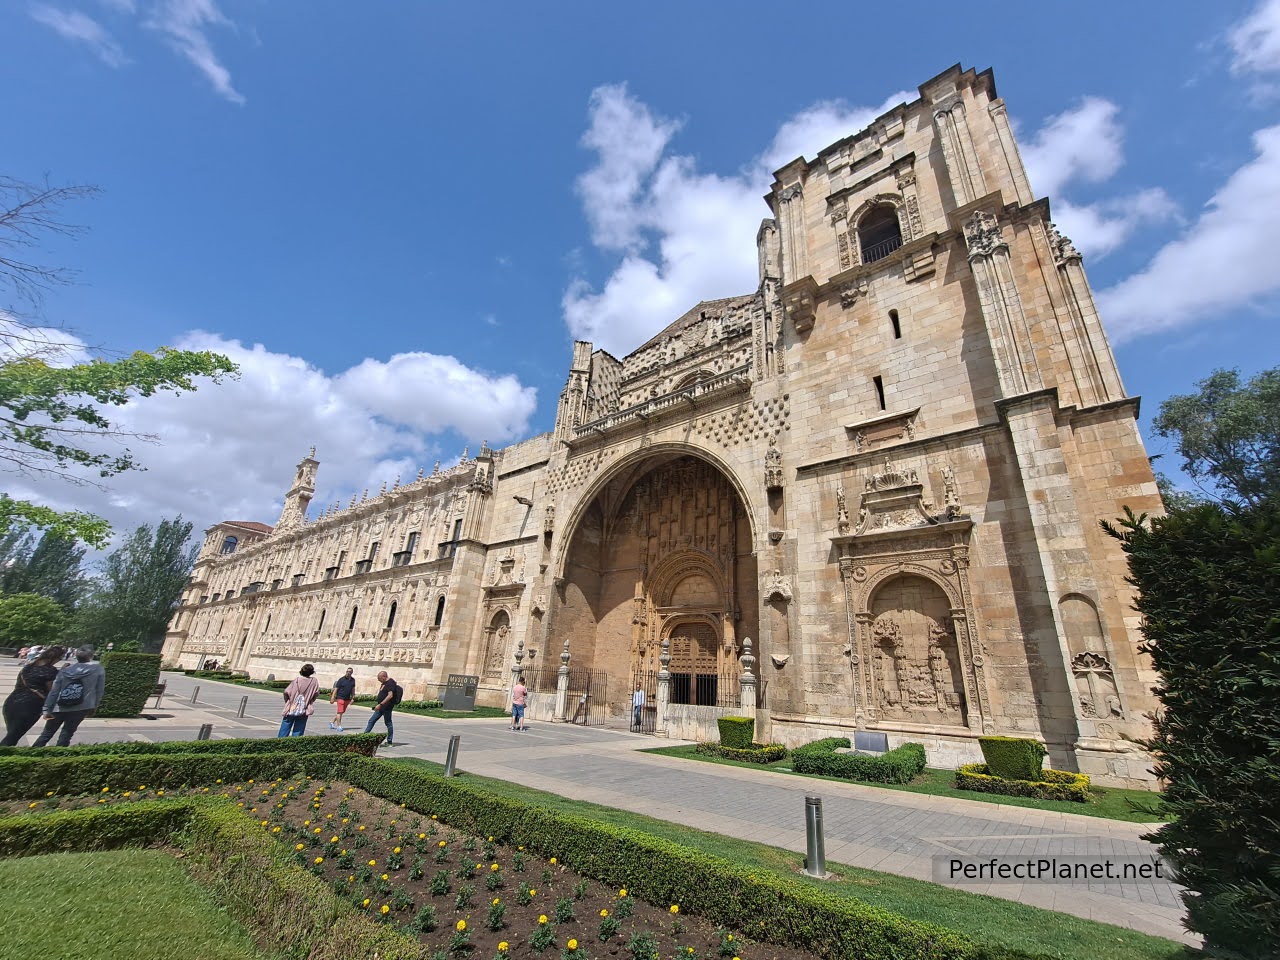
(396, 216)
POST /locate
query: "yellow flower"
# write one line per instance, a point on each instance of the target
(532, 891)
(106, 789)
(422, 836)
(688, 949)
(504, 947)
(440, 844)
(316, 830)
(351, 878)
(490, 839)
(729, 937)
(434, 817)
(519, 848)
(365, 902)
(217, 781)
(361, 827)
(298, 847)
(373, 863)
(264, 822)
(553, 861)
(392, 823)
(318, 860)
(542, 918)
(386, 877)
(494, 867)
(333, 839)
(143, 787)
(622, 892)
(572, 944)
(346, 819)
(396, 850)
(275, 829)
(384, 909)
(401, 807)
(31, 806)
(496, 901)
(460, 926)
(127, 793)
(604, 913)
(306, 823)
(675, 908)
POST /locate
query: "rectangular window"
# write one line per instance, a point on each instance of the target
(879, 382)
(363, 566)
(330, 573)
(296, 581)
(277, 584)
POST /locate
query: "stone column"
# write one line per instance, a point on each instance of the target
(747, 682)
(1001, 305)
(1009, 146)
(664, 689)
(1095, 349)
(562, 685)
(963, 169)
(795, 252)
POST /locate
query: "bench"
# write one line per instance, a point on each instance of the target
(158, 692)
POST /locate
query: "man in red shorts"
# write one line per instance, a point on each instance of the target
(344, 691)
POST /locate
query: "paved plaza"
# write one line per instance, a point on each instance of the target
(867, 827)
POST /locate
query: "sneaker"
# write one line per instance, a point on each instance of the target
(332, 727)
(340, 729)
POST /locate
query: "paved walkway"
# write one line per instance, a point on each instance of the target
(878, 829)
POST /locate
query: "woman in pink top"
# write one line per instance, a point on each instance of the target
(298, 699)
(518, 694)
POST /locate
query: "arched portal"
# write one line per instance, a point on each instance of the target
(663, 551)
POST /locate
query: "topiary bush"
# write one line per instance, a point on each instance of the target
(1208, 578)
(1048, 785)
(756, 753)
(899, 765)
(737, 733)
(1013, 758)
(131, 679)
(362, 743)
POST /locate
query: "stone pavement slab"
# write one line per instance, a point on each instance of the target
(878, 829)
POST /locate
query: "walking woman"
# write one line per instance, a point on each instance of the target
(299, 700)
(22, 708)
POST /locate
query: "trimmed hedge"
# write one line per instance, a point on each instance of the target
(737, 733)
(362, 743)
(756, 753)
(289, 912)
(34, 776)
(1053, 785)
(774, 908)
(131, 679)
(1013, 758)
(899, 765)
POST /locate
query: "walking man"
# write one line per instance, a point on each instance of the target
(637, 706)
(75, 694)
(389, 695)
(519, 695)
(344, 691)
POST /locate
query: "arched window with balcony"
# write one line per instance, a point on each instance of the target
(879, 233)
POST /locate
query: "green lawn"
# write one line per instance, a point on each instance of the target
(120, 905)
(1042, 933)
(1111, 803)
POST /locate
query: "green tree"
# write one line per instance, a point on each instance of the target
(52, 570)
(28, 619)
(133, 599)
(1228, 433)
(54, 403)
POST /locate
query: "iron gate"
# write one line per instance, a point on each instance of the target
(647, 719)
(587, 702)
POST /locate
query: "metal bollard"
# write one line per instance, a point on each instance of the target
(205, 730)
(244, 703)
(195, 693)
(815, 861)
(451, 755)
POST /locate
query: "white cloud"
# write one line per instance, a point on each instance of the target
(684, 236)
(183, 24)
(81, 28)
(228, 451)
(1225, 260)
(1086, 145)
(1255, 41)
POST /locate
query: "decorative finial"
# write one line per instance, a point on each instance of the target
(383, 488)
(311, 454)
(421, 473)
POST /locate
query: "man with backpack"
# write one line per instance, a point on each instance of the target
(389, 694)
(75, 694)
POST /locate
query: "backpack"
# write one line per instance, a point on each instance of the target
(299, 706)
(72, 693)
(397, 695)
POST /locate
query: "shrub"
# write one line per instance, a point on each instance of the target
(1048, 785)
(1013, 758)
(363, 743)
(897, 766)
(756, 753)
(131, 679)
(1208, 578)
(736, 733)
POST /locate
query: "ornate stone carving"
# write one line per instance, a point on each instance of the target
(950, 494)
(1096, 686)
(842, 513)
(850, 292)
(1063, 249)
(890, 479)
(776, 587)
(773, 466)
(982, 234)
(549, 519)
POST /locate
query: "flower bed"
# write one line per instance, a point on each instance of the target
(1053, 785)
(456, 893)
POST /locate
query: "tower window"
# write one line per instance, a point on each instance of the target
(229, 545)
(879, 382)
(391, 615)
(897, 327)
(352, 624)
(439, 611)
(879, 233)
(320, 625)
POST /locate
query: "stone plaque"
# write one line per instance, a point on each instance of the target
(870, 741)
(460, 692)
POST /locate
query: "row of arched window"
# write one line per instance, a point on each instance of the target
(391, 616)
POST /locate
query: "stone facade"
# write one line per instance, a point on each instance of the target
(881, 474)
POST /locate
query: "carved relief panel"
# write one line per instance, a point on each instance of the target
(915, 664)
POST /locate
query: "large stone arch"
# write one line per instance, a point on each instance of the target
(663, 539)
